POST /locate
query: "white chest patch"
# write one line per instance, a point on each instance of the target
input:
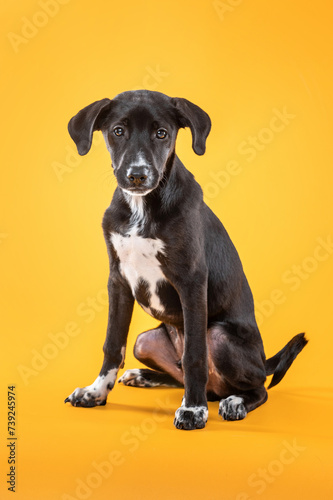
(138, 261)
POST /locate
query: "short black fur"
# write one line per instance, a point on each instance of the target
(208, 340)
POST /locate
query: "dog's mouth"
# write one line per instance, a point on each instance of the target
(137, 180)
(135, 191)
(137, 187)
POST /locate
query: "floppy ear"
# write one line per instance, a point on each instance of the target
(83, 124)
(194, 117)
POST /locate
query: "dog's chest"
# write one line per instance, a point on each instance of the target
(138, 263)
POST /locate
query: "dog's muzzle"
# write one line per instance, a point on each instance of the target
(137, 176)
(138, 180)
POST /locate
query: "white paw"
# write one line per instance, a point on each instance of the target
(94, 394)
(134, 378)
(191, 417)
(232, 408)
(86, 397)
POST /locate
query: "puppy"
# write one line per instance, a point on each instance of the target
(170, 253)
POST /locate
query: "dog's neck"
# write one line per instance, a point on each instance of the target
(175, 189)
(138, 213)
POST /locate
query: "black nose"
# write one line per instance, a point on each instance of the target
(136, 176)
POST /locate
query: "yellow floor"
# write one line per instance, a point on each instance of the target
(129, 449)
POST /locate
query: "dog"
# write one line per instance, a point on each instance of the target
(170, 253)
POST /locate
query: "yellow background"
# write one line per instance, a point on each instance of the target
(242, 62)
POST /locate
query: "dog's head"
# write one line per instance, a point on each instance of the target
(140, 129)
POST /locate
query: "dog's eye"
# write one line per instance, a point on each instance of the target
(161, 133)
(118, 131)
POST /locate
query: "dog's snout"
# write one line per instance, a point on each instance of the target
(137, 176)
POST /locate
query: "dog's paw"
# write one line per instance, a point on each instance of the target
(86, 397)
(96, 393)
(232, 408)
(191, 417)
(135, 378)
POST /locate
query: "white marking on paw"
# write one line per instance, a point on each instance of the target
(136, 379)
(128, 374)
(100, 385)
(194, 409)
(191, 417)
(96, 393)
(235, 400)
(232, 408)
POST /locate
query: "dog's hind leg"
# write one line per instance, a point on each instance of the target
(157, 350)
(238, 358)
(143, 377)
(236, 407)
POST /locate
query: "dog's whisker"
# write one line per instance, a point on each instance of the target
(108, 179)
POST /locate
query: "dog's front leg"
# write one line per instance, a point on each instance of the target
(120, 312)
(193, 412)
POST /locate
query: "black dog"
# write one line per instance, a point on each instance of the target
(168, 251)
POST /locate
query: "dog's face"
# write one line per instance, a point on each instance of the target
(140, 130)
(140, 136)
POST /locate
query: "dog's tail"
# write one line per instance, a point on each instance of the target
(281, 362)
